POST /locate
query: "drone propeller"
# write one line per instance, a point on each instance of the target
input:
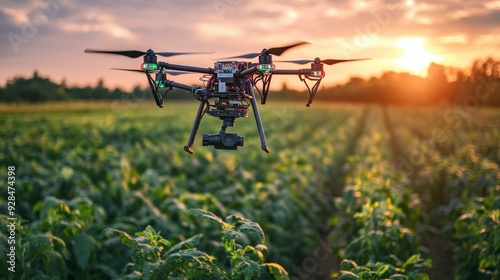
(273, 51)
(134, 70)
(325, 61)
(136, 54)
(173, 73)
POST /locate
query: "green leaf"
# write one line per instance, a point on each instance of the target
(186, 244)
(150, 270)
(347, 275)
(150, 205)
(49, 203)
(149, 233)
(188, 262)
(207, 215)
(83, 245)
(361, 270)
(235, 218)
(57, 266)
(253, 254)
(383, 269)
(126, 239)
(247, 268)
(277, 271)
(229, 235)
(412, 261)
(253, 228)
(263, 249)
(37, 244)
(348, 265)
(399, 277)
(59, 245)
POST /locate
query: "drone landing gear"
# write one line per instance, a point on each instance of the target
(260, 128)
(266, 83)
(189, 147)
(224, 140)
(314, 89)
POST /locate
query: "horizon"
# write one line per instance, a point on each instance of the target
(275, 88)
(398, 36)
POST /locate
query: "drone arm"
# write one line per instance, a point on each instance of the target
(248, 71)
(180, 86)
(185, 68)
(292, 72)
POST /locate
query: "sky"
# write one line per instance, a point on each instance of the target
(398, 35)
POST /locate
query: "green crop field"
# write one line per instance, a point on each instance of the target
(105, 191)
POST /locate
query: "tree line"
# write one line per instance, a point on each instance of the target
(37, 89)
(478, 85)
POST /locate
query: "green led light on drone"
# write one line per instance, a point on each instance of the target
(317, 73)
(149, 66)
(266, 68)
(159, 84)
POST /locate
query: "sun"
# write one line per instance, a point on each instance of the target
(415, 58)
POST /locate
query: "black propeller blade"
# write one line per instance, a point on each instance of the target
(280, 50)
(273, 51)
(325, 61)
(136, 54)
(173, 73)
(134, 70)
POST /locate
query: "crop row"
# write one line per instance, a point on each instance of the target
(374, 230)
(452, 160)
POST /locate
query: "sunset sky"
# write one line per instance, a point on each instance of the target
(399, 35)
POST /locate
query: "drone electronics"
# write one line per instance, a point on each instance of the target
(228, 90)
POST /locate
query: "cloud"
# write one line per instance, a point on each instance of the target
(96, 22)
(452, 16)
(232, 27)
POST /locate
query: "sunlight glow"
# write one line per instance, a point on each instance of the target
(492, 5)
(460, 39)
(331, 12)
(460, 14)
(415, 59)
(424, 21)
(289, 16)
(359, 5)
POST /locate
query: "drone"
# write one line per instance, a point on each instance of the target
(228, 88)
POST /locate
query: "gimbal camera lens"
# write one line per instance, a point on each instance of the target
(223, 141)
(229, 140)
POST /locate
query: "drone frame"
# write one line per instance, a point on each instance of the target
(241, 79)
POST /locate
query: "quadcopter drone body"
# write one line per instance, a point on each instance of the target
(228, 90)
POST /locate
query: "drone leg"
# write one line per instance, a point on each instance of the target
(188, 148)
(258, 121)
